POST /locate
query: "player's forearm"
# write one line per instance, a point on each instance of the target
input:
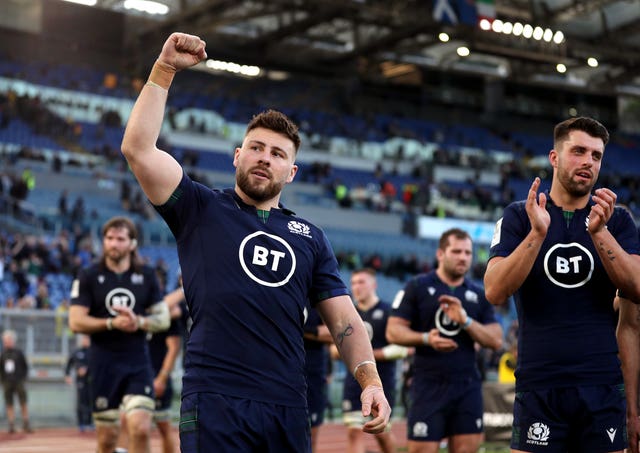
(628, 336)
(353, 343)
(623, 269)
(145, 122)
(398, 332)
(174, 297)
(158, 320)
(489, 335)
(629, 346)
(504, 276)
(173, 349)
(79, 323)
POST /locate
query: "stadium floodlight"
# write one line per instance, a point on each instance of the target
(463, 51)
(147, 6)
(593, 62)
(83, 2)
(561, 68)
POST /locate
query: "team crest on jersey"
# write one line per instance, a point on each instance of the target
(119, 297)
(446, 325)
(471, 296)
(267, 259)
(299, 228)
(377, 314)
(569, 265)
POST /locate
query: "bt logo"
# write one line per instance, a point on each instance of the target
(267, 259)
(568, 265)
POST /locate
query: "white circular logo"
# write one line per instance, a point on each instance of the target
(446, 325)
(568, 265)
(119, 297)
(270, 257)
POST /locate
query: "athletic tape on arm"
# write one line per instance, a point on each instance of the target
(159, 319)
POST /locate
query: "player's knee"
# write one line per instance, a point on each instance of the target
(108, 419)
(132, 403)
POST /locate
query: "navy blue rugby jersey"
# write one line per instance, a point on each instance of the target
(100, 289)
(246, 283)
(418, 303)
(375, 321)
(566, 318)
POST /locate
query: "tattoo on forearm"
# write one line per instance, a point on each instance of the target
(347, 332)
(609, 252)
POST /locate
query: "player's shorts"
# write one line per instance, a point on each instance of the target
(586, 419)
(443, 408)
(111, 382)
(237, 425)
(14, 388)
(316, 398)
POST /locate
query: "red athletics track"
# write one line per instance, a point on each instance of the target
(333, 439)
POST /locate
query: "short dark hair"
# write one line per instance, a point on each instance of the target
(278, 122)
(457, 233)
(364, 270)
(589, 125)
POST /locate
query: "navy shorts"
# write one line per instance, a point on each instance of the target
(316, 398)
(214, 422)
(111, 382)
(587, 419)
(443, 408)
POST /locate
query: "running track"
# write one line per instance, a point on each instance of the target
(332, 439)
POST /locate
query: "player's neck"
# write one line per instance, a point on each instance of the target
(118, 267)
(265, 205)
(566, 201)
(366, 304)
(448, 279)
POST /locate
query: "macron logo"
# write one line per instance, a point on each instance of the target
(611, 432)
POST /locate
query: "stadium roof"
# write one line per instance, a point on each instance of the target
(399, 39)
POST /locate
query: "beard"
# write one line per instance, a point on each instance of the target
(574, 188)
(116, 256)
(257, 192)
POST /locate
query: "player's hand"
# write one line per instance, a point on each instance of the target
(633, 434)
(182, 51)
(375, 404)
(452, 307)
(126, 319)
(601, 211)
(159, 386)
(536, 206)
(442, 344)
